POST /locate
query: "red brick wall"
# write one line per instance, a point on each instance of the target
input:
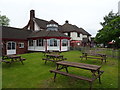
(18, 50)
(21, 50)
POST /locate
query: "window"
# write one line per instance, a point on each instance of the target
(21, 45)
(64, 42)
(30, 42)
(11, 45)
(78, 34)
(40, 42)
(69, 34)
(52, 27)
(53, 42)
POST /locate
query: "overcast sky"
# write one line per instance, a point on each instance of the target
(83, 13)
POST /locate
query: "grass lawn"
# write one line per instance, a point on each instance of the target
(35, 74)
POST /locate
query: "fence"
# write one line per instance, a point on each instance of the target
(108, 51)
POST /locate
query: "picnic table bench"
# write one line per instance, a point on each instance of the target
(13, 58)
(101, 57)
(54, 58)
(96, 72)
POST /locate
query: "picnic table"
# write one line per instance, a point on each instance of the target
(51, 52)
(101, 57)
(95, 70)
(13, 58)
(53, 58)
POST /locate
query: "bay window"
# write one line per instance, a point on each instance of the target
(53, 42)
(64, 42)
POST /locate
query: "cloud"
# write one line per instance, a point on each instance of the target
(83, 13)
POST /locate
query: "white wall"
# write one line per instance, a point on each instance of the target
(84, 36)
(89, 38)
(32, 48)
(66, 33)
(37, 28)
(74, 36)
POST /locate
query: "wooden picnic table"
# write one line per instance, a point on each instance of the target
(101, 57)
(95, 70)
(53, 58)
(13, 58)
(51, 52)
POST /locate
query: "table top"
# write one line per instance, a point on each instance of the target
(50, 51)
(13, 56)
(54, 55)
(79, 65)
(97, 54)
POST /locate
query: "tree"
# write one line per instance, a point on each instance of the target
(110, 30)
(4, 21)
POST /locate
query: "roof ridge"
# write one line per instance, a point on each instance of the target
(15, 28)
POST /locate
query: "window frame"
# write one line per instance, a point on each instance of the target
(54, 42)
(31, 43)
(10, 45)
(64, 44)
(22, 45)
(40, 42)
(69, 34)
(78, 34)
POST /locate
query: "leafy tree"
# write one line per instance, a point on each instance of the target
(4, 21)
(110, 30)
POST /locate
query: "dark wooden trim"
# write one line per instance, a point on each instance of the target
(14, 39)
(60, 44)
(46, 45)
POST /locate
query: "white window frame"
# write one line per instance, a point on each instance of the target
(65, 43)
(41, 41)
(11, 48)
(32, 42)
(21, 45)
(53, 43)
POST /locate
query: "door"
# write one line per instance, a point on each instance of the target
(11, 48)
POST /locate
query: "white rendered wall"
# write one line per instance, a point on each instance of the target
(90, 38)
(66, 33)
(36, 27)
(74, 36)
(84, 36)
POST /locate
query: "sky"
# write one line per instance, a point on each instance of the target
(86, 14)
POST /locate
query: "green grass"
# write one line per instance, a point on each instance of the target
(35, 74)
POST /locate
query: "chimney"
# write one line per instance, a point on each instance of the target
(66, 21)
(32, 16)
